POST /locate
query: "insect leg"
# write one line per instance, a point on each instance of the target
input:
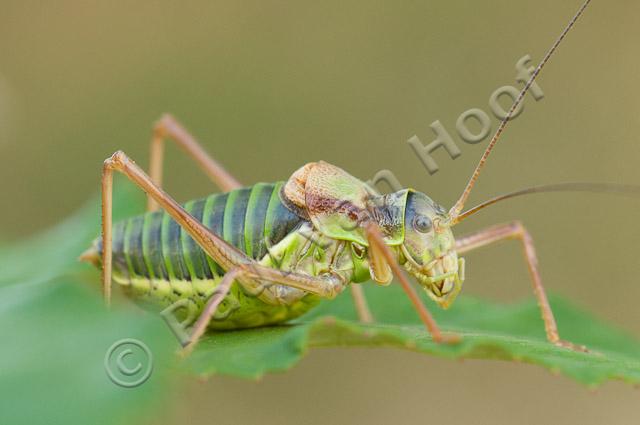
(360, 302)
(379, 251)
(515, 230)
(227, 256)
(168, 127)
(107, 225)
(328, 287)
(209, 310)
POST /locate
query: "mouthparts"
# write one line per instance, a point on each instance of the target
(441, 278)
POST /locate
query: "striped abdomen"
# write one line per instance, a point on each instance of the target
(153, 246)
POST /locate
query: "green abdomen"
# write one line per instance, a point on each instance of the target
(156, 260)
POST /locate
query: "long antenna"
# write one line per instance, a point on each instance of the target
(613, 188)
(459, 205)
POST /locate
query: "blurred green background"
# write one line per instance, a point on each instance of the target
(269, 85)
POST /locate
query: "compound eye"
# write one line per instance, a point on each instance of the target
(422, 223)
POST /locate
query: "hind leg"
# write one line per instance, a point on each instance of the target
(223, 253)
(169, 128)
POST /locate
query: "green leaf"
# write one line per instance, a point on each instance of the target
(56, 333)
(489, 331)
(55, 338)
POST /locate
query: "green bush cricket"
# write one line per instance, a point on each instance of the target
(268, 253)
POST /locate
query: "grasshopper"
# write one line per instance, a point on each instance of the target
(268, 253)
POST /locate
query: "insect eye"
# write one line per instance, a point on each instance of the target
(422, 223)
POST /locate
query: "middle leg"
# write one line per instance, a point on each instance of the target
(360, 303)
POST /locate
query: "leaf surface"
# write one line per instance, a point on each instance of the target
(488, 330)
(56, 333)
